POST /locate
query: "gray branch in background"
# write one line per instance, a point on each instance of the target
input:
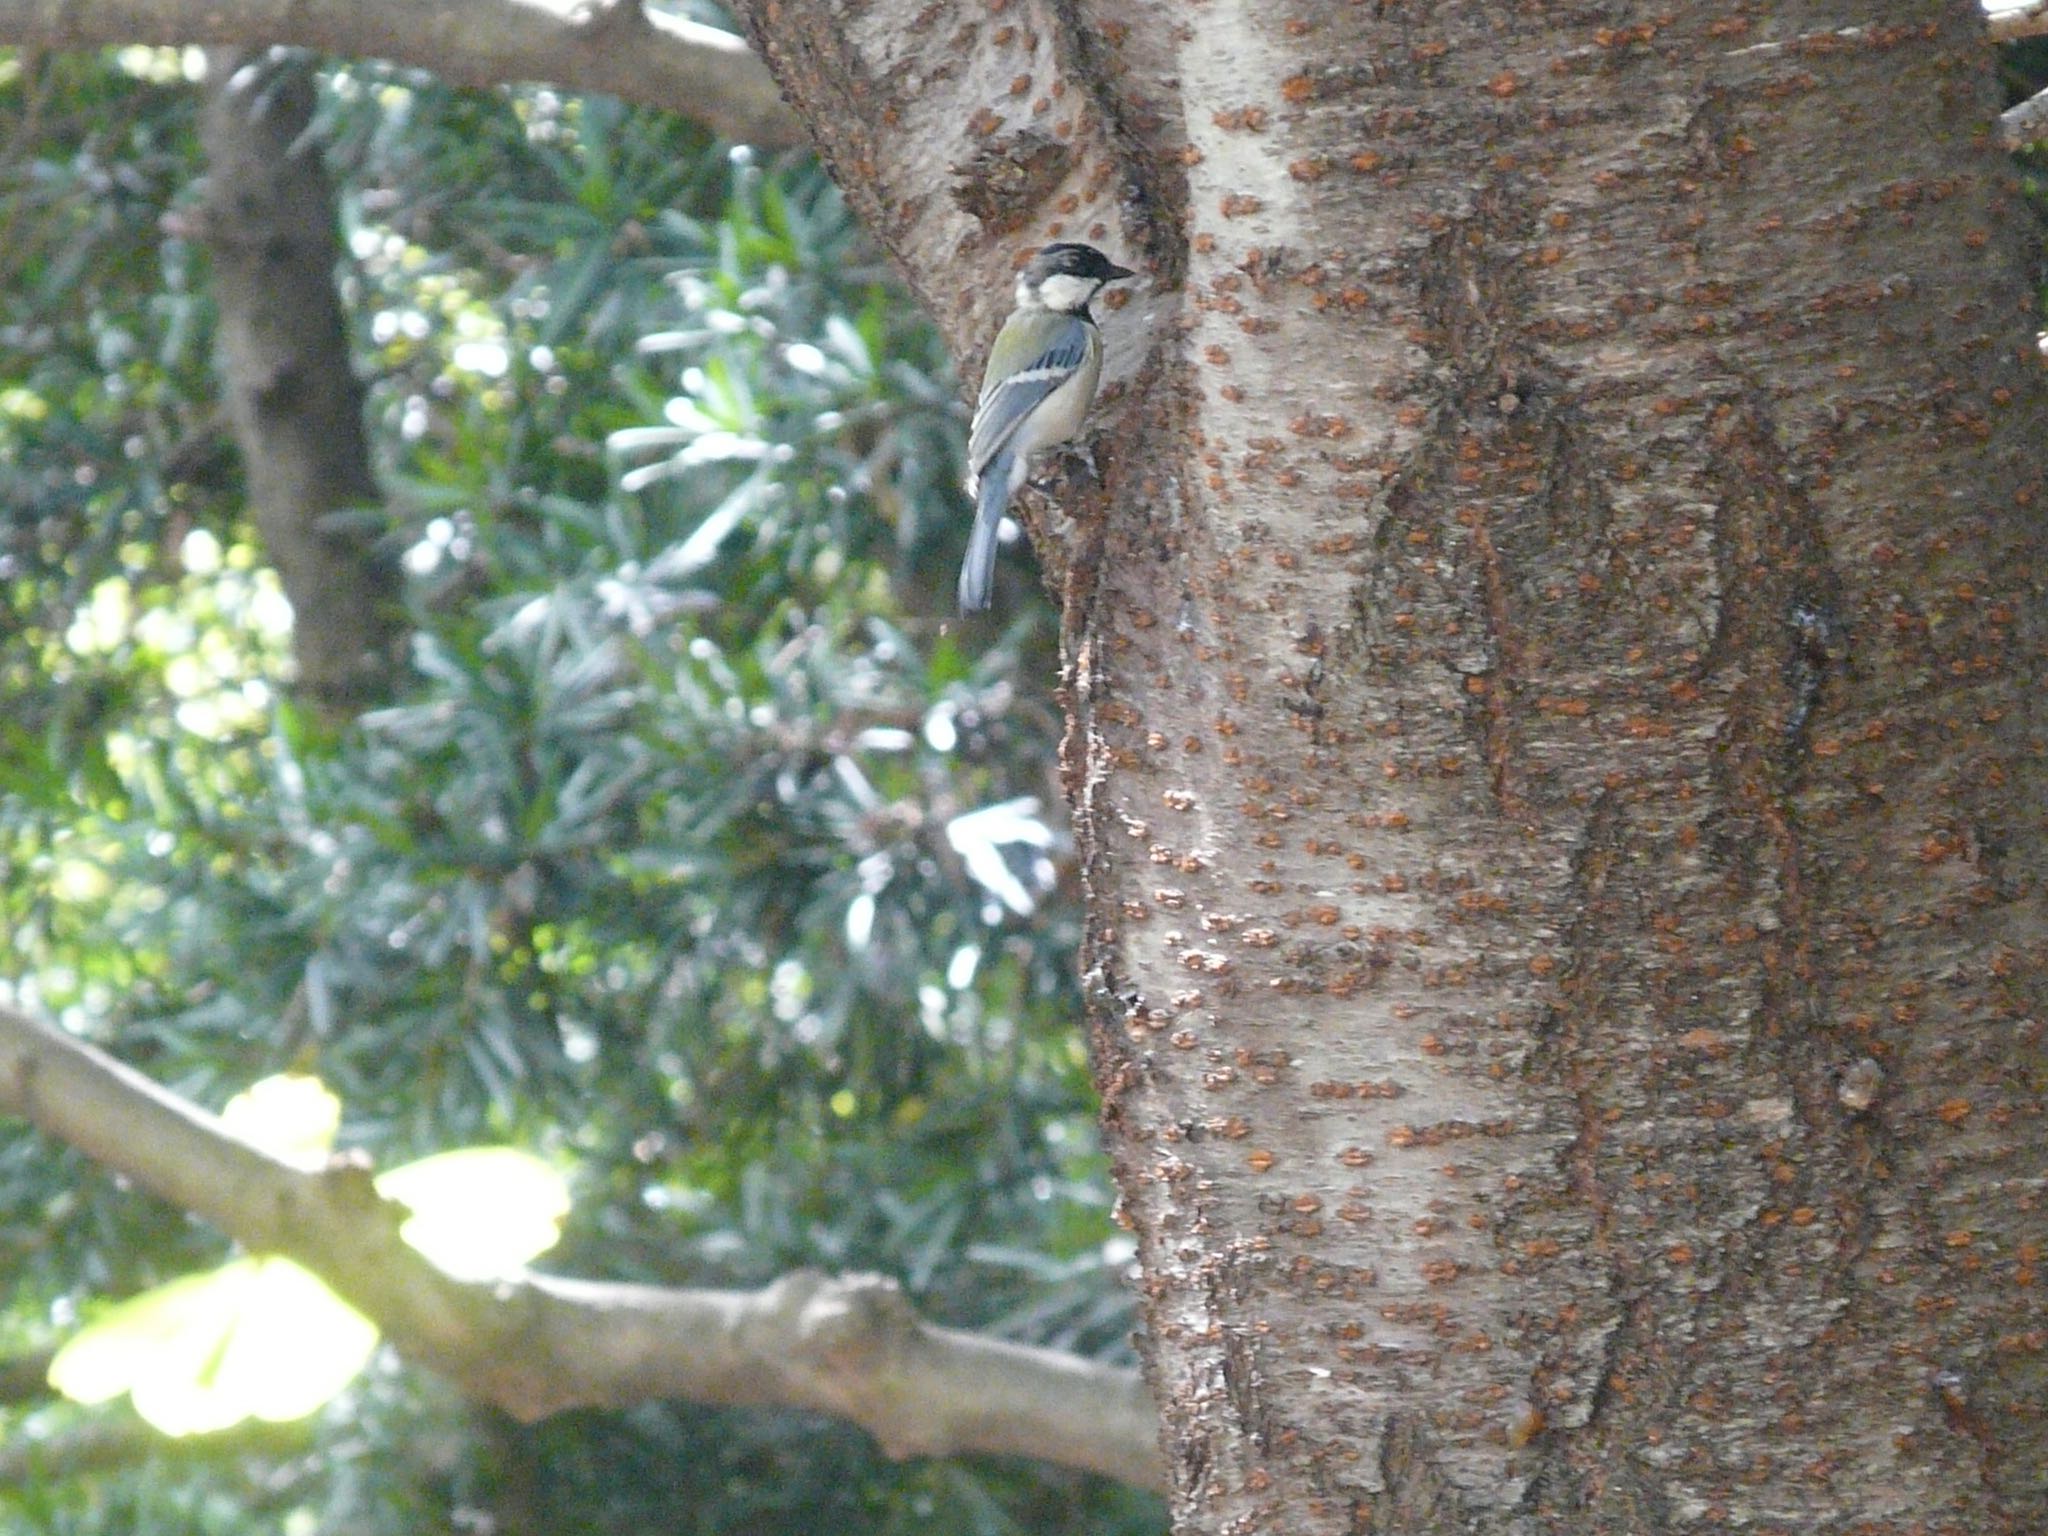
(611, 46)
(2025, 124)
(849, 1346)
(268, 222)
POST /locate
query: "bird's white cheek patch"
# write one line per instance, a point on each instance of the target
(1065, 292)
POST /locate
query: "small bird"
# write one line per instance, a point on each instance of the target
(1035, 392)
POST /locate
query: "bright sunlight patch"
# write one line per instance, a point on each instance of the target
(263, 1338)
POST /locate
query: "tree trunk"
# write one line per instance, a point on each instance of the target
(269, 224)
(1554, 670)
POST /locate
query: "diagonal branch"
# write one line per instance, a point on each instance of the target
(612, 46)
(538, 1344)
(2024, 124)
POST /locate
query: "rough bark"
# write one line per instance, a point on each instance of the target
(1555, 734)
(537, 1344)
(612, 46)
(269, 225)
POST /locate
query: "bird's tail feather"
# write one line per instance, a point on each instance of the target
(978, 570)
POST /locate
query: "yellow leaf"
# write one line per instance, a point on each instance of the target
(291, 1116)
(256, 1338)
(481, 1212)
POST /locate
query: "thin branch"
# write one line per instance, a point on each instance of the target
(2025, 124)
(2010, 26)
(612, 46)
(115, 1439)
(25, 1378)
(96, 1446)
(538, 1344)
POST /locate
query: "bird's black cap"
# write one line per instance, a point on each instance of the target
(1069, 258)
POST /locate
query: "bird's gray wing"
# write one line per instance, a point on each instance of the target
(1006, 402)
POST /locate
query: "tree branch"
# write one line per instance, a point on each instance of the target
(2009, 26)
(25, 1378)
(113, 1440)
(92, 1447)
(2024, 124)
(268, 222)
(538, 1344)
(611, 46)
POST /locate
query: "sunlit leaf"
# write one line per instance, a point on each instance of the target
(260, 1338)
(104, 1359)
(480, 1212)
(291, 1116)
